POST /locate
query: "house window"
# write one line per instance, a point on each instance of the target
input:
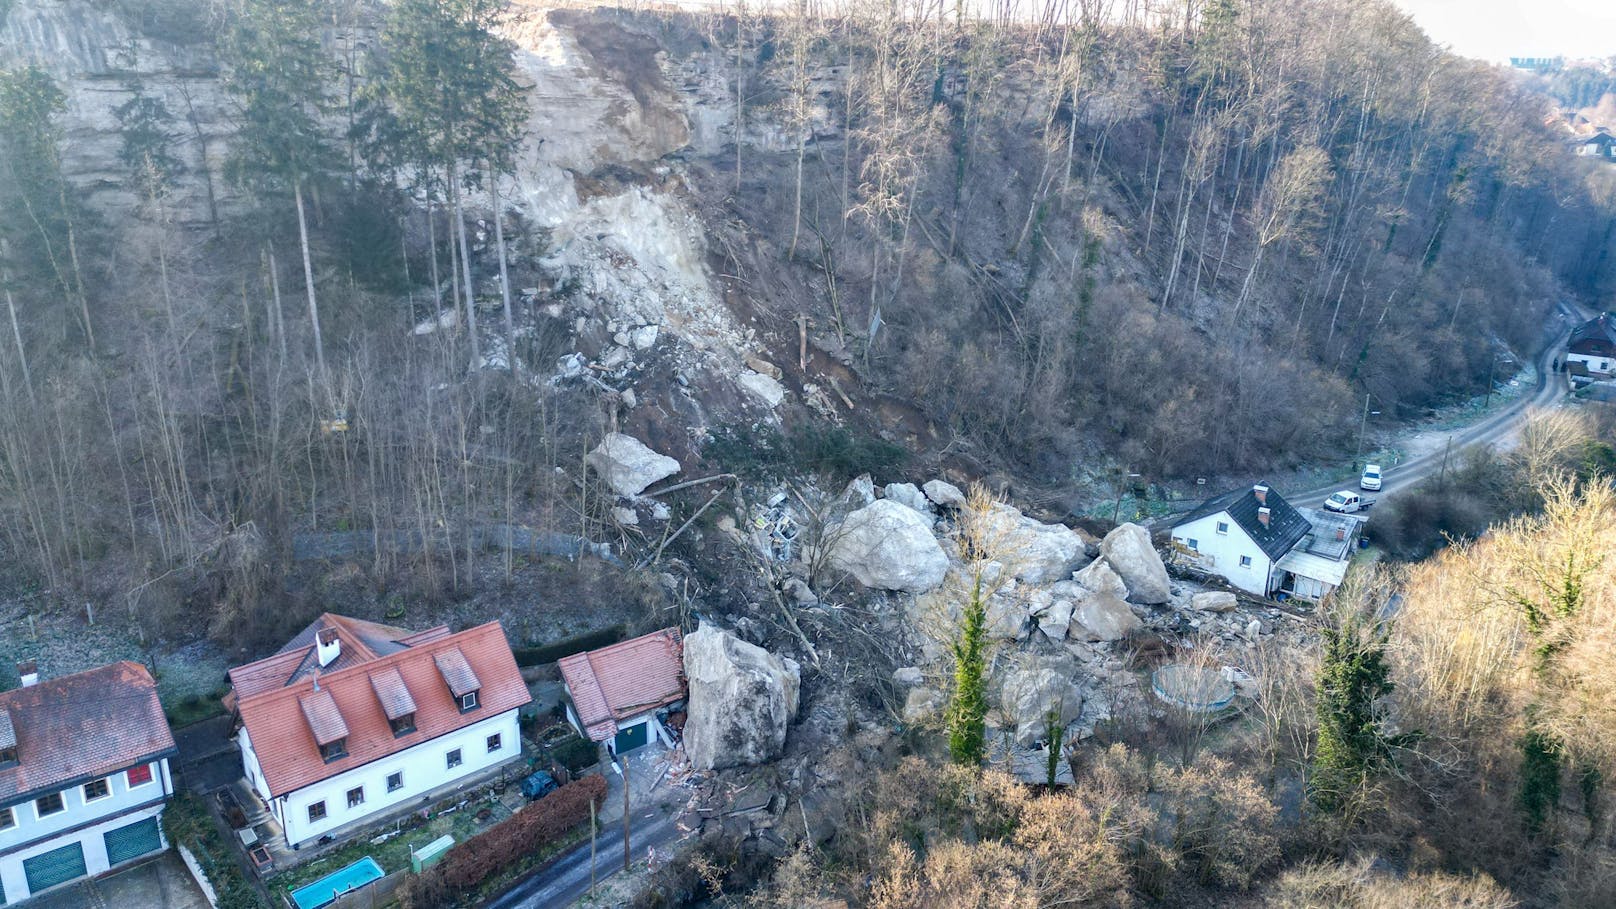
(495, 742)
(404, 725)
(356, 797)
(395, 781)
(1245, 561)
(8, 756)
(139, 776)
(96, 789)
(317, 812)
(47, 805)
(453, 759)
(1223, 527)
(468, 701)
(334, 750)
(8, 819)
(1194, 544)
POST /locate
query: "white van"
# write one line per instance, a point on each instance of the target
(1371, 478)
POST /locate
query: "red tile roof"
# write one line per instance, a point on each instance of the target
(325, 720)
(625, 680)
(83, 726)
(281, 731)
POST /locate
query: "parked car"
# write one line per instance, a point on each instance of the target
(1347, 502)
(1371, 478)
(538, 785)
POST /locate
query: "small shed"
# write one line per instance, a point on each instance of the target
(615, 694)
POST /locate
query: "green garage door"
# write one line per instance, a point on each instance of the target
(132, 841)
(630, 738)
(57, 866)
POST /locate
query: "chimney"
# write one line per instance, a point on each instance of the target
(1261, 492)
(327, 645)
(1340, 534)
(28, 673)
(1262, 515)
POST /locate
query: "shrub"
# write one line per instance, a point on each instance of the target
(472, 862)
(541, 654)
(575, 753)
(1359, 886)
(187, 822)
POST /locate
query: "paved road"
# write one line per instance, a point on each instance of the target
(1550, 388)
(567, 878)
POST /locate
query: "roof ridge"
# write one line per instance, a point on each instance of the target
(381, 662)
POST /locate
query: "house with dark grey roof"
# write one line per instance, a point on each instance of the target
(83, 776)
(1260, 543)
(1591, 351)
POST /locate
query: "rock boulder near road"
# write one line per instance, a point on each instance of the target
(742, 699)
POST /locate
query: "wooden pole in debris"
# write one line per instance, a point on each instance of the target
(591, 847)
(626, 793)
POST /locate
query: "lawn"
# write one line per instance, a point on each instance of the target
(394, 854)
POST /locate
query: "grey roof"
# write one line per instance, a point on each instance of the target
(1286, 525)
(1596, 336)
(1333, 535)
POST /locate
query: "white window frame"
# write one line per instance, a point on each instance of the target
(400, 775)
(453, 759)
(61, 803)
(1223, 528)
(469, 701)
(1193, 543)
(355, 802)
(1245, 561)
(495, 742)
(106, 793)
(8, 818)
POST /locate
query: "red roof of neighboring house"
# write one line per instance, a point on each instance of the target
(82, 726)
(283, 698)
(625, 680)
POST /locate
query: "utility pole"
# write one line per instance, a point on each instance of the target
(1363, 425)
(626, 793)
(1122, 484)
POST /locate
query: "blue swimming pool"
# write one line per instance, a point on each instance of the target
(335, 884)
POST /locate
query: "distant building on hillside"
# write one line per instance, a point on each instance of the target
(1591, 352)
(1538, 64)
(1599, 145)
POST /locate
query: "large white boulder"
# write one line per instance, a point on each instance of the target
(1006, 617)
(1103, 617)
(628, 466)
(742, 698)
(887, 546)
(1099, 577)
(1030, 696)
(1129, 551)
(1214, 601)
(944, 493)
(909, 494)
(1039, 553)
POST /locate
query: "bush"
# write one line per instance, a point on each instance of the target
(187, 822)
(762, 453)
(474, 861)
(541, 654)
(575, 753)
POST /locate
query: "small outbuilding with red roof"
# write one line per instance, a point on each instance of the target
(622, 694)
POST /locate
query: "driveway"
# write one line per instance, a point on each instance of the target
(161, 883)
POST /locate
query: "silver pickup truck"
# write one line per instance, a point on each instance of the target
(1347, 502)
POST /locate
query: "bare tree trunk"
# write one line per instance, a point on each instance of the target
(308, 279)
(504, 273)
(465, 272)
(275, 301)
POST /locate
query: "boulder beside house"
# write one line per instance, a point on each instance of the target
(354, 720)
(623, 695)
(84, 776)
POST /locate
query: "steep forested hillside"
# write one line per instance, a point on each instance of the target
(256, 290)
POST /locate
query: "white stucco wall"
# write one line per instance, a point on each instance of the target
(1597, 365)
(425, 767)
(1220, 552)
(102, 815)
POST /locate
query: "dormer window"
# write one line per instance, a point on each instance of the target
(403, 725)
(8, 741)
(395, 699)
(8, 757)
(332, 751)
(462, 681)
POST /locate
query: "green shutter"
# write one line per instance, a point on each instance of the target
(132, 841)
(57, 866)
(631, 738)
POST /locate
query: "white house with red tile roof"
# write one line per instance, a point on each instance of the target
(83, 776)
(617, 692)
(353, 718)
